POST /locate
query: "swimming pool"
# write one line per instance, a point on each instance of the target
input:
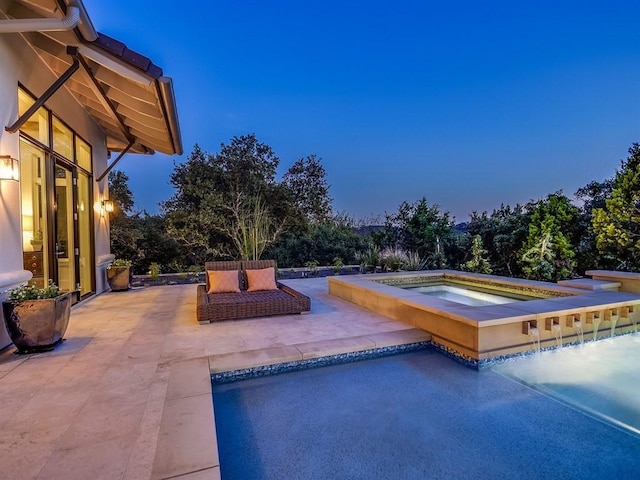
(411, 416)
(600, 378)
(464, 296)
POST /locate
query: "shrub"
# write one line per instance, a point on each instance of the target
(32, 292)
(392, 259)
(154, 271)
(414, 262)
(120, 262)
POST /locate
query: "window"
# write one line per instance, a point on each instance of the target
(56, 201)
(37, 127)
(83, 154)
(62, 139)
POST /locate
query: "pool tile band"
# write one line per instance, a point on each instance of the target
(278, 368)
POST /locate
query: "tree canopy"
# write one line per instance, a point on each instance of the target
(617, 223)
(231, 204)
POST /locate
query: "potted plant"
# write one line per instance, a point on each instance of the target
(36, 318)
(36, 241)
(119, 274)
(337, 265)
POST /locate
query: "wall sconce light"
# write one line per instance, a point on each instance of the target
(9, 168)
(106, 206)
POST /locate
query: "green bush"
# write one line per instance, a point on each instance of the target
(32, 292)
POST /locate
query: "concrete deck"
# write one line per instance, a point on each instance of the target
(128, 395)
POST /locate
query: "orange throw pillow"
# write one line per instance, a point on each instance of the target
(223, 281)
(262, 279)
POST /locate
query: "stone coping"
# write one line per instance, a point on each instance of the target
(613, 274)
(489, 315)
(590, 284)
(291, 353)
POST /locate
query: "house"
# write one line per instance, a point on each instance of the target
(72, 102)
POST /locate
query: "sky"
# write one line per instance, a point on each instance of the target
(469, 103)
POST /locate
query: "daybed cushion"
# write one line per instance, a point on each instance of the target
(214, 307)
(223, 281)
(261, 279)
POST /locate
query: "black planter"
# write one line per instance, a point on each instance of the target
(37, 325)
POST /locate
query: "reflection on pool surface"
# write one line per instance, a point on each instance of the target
(412, 416)
(600, 378)
(464, 296)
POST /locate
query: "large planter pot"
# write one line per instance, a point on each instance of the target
(37, 325)
(118, 278)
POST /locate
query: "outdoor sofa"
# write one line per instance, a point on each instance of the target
(215, 307)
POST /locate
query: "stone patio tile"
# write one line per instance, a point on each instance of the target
(105, 460)
(110, 380)
(187, 441)
(253, 358)
(143, 453)
(44, 416)
(189, 378)
(208, 474)
(324, 348)
(26, 457)
(99, 421)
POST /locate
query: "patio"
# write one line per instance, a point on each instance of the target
(128, 394)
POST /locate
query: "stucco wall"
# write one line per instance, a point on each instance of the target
(20, 64)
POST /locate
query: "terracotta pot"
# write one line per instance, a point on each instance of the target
(118, 278)
(37, 325)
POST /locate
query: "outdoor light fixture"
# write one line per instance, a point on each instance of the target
(9, 168)
(106, 206)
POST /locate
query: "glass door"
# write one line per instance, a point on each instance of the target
(65, 250)
(85, 253)
(35, 227)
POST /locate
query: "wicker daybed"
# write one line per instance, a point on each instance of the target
(215, 307)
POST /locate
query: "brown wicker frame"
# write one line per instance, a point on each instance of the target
(217, 307)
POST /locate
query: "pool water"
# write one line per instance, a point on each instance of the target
(601, 378)
(462, 295)
(410, 416)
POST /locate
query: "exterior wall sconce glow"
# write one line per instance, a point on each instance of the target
(9, 168)
(106, 207)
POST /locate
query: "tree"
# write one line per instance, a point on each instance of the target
(335, 238)
(617, 224)
(119, 192)
(548, 253)
(124, 231)
(220, 198)
(155, 245)
(478, 262)
(419, 227)
(503, 234)
(307, 181)
(592, 196)
(251, 228)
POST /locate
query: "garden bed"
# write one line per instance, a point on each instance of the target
(283, 274)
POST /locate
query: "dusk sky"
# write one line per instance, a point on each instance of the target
(471, 104)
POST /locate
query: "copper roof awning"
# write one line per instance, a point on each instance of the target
(122, 90)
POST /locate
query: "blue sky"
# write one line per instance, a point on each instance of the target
(468, 103)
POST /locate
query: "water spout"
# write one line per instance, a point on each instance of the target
(614, 320)
(557, 333)
(596, 324)
(534, 335)
(577, 324)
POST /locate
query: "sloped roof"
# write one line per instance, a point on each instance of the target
(122, 90)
